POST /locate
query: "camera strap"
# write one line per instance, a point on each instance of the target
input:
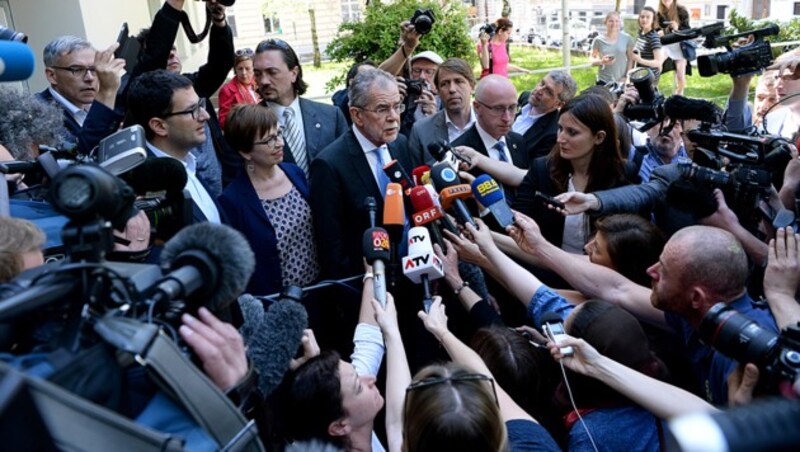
(187, 27)
(207, 405)
(491, 57)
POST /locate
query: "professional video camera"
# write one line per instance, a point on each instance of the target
(735, 335)
(751, 58)
(489, 29)
(423, 20)
(768, 151)
(650, 108)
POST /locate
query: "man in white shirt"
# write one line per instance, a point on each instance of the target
(538, 120)
(174, 118)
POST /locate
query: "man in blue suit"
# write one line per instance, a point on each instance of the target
(308, 126)
(173, 116)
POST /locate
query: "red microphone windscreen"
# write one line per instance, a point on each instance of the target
(420, 198)
(393, 209)
(418, 172)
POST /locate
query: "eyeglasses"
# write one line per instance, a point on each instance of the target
(498, 110)
(194, 111)
(272, 140)
(425, 382)
(77, 71)
(248, 52)
(384, 110)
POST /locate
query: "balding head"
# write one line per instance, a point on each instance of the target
(711, 258)
(495, 105)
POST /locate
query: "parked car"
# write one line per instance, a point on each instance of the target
(579, 30)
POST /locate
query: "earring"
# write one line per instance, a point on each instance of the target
(250, 166)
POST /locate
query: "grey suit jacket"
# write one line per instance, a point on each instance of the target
(432, 129)
(323, 124)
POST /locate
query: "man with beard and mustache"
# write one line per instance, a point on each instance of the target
(84, 84)
(664, 146)
(308, 126)
(455, 82)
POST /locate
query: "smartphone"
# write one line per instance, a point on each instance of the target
(555, 332)
(122, 37)
(611, 57)
(549, 200)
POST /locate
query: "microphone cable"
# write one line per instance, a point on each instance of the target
(320, 285)
(575, 407)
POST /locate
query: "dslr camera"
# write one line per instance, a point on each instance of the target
(423, 21)
(489, 29)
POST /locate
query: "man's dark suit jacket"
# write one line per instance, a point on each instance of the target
(322, 125)
(514, 144)
(432, 129)
(99, 123)
(541, 137)
(341, 179)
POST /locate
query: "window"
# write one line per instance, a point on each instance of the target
(797, 8)
(721, 11)
(272, 24)
(637, 6)
(351, 10)
(231, 17)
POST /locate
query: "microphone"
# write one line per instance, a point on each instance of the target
(426, 213)
(376, 252)
(679, 107)
(443, 153)
(448, 224)
(209, 263)
(157, 175)
(398, 175)
(452, 192)
(394, 215)
(372, 206)
(272, 337)
(16, 61)
(490, 195)
(418, 172)
(421, 264)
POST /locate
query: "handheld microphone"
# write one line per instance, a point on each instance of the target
(448, 224)
(394, 215)
(377, 252)
(209, 263)
(452, 192)
(418, 172)
(398, 175)
(553, 328)
(372, 206)
(426, 213)
(421, 264)
(16, 61)
(443, 153)
(488, 192)
(272, 337)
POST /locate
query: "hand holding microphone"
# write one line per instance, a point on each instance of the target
(376, 252)
(422, 264)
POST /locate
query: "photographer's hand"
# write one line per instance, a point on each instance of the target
(741, 384)
(137, 232)
(217, 11)
(109, 75)
(427, 102)
(218, 345)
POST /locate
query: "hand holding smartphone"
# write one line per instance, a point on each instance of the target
(549, 200)
(555, 332)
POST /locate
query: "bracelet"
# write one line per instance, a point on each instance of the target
(403, 49)
(463, 285)
(367, 276)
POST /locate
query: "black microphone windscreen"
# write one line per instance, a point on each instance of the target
(436, 150)
(227, 248)
(272, 338)
(443, 176)
(687, 196)
(679, 107)
(157, 174)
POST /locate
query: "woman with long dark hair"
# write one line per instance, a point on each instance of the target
(492, 50)
(648, 52)
(586, 158)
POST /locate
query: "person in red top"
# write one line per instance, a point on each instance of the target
(494, 56)
(242, 88)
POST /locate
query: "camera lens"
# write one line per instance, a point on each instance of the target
(737, 336)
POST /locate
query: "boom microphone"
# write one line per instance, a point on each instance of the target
(208, 262)
(377, 252)
(162, 174)
(487, 192)
(273, 337)
(16, 61)
(679, 107)
(421, 264)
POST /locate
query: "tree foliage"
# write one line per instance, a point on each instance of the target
(790, 30)
(375, 37)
